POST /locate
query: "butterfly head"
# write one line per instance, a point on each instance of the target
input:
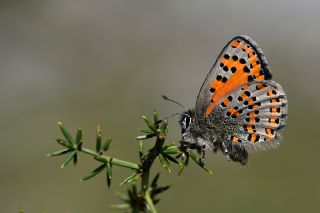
(187, 125)
(186, 121)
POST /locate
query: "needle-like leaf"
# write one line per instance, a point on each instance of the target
(160, 190)
(171, 149)
(109, 173)
(60, 152)
(68, 159)
(181, 169)
(150, 126)
(79, 136)
(143, 137)
(66, 134)
(75, 158)
(196, 159)
(123, 197)
(106, 144)
(164, 127)
(94, 172)
(184, 162)
(155, 117)
(98, 140)
(121, 206)
(155, 181)
(147, 131)
(63, 143)
(164, 162)
(133, 177)
(172, 159)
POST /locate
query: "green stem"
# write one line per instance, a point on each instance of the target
(147, 163)
(150, 202)
(114, 161)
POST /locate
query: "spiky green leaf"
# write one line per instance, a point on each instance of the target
(155, 116)
(121, 206)
(64, 143)
(60, 152)
(150, 126)
(164, 127)
(184, 162)
(164, 162)
(155, 180)
(133, 177)
(68, 159)
(171, 150)
(94, 172)
(109, 174)
(160, 190)
(98, 140)
(66, 134)
(156, 119)
(106, 144)
(79, 136)
(75, 158)
(131, 195)
(198, 161)
(172, 159)
(147, 136)
(134, 190)
(182, 166)
(141, 151)
(147, 131)
(123, 197)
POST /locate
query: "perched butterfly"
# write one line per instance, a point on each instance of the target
(239, 108)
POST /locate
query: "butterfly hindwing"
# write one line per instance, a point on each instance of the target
(255, 116)
(240, 62)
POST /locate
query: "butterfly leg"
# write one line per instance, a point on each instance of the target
(186, 146)
(203, 153)
(201, 148)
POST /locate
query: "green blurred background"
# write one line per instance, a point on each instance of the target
(107, 62)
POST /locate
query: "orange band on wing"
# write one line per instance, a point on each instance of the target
(242, 73)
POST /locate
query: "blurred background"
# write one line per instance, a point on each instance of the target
(108, 62)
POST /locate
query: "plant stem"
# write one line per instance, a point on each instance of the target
(147, 163)
(114, 161)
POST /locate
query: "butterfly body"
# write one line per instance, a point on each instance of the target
(239, 108)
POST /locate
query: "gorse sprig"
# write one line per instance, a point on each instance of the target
(145, 198)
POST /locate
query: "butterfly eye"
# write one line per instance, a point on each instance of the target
(185, 121)
(188, 120)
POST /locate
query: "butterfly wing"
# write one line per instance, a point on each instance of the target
(240, 103)
(241, 61)
(253, 115)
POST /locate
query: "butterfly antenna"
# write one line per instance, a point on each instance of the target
(173, 101)
(174, 114)
(171, 116)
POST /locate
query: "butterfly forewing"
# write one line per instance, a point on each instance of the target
(240, 62)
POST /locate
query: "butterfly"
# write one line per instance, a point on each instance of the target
(239, 107)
